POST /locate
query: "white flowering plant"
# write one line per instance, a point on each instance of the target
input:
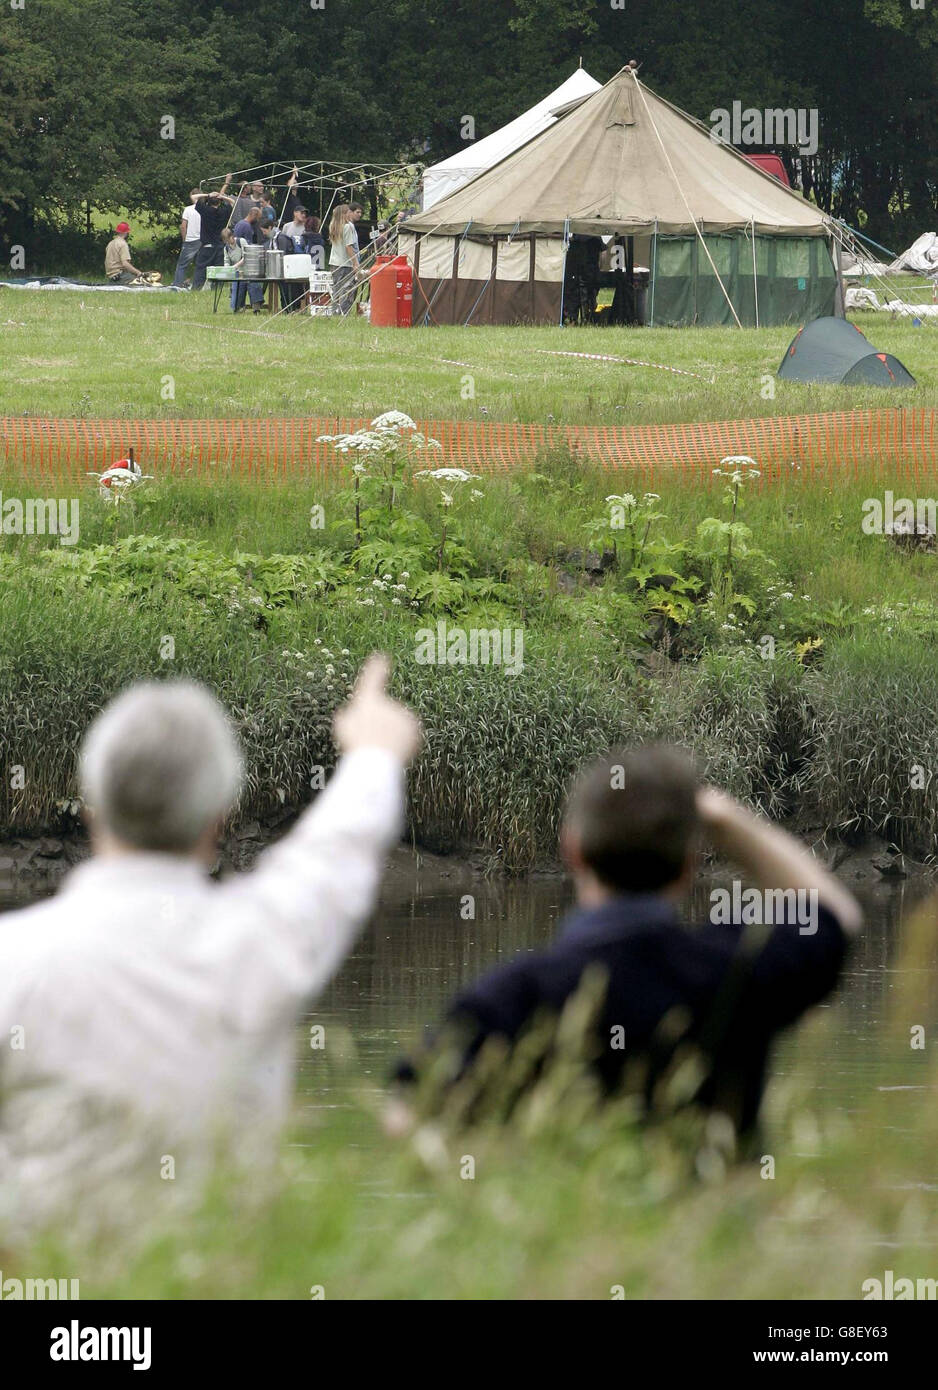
(382, 454)
(405, 543)
(627, 521)
(451, 488)
(725, 544)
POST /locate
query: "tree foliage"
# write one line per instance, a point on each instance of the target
(88, 87)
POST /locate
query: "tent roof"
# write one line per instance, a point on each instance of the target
(622, 160)
(441, 179)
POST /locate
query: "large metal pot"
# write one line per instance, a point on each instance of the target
(274, 265)
(255, 258)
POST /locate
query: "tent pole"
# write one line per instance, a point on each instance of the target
(563, 278)
(491, 272)
(840, 302)
(755, 277)
(654, 272)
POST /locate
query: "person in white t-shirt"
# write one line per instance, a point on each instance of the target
(296, 229)
(344, 259)
(190, 228)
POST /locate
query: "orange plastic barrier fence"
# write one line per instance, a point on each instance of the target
(272, 451)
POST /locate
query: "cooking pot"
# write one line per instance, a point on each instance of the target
(254, 263)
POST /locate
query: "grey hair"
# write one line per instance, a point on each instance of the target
(160, 765)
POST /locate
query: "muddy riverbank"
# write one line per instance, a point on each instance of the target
(32, 866)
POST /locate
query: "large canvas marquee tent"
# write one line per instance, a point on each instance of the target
(724, 242)
(442, 179)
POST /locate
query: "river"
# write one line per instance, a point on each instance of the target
(424, 943)
(420, 950)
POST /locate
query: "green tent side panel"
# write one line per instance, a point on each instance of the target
(675, 263)
(793, 279)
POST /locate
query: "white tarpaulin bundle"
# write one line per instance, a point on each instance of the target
(442, 179)
(56, 282)
(862, 265)
(857, 298)
(921, 257)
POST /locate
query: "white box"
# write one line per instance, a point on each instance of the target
(297, 267)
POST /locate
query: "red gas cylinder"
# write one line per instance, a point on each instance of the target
(405, 292)
(384, 292)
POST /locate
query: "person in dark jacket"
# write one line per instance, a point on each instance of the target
(214, 211)
(726, 988)
(248, 232)
(313, 241)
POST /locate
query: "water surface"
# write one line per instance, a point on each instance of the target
(422, 946)
(420, 950)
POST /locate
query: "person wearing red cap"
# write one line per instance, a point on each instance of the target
(118, 266)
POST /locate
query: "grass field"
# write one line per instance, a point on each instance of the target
(69, 354)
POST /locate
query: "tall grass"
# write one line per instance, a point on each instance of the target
(579, 1204)
(835, 742)
(875, 749)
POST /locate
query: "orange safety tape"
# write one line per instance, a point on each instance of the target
(280, 450)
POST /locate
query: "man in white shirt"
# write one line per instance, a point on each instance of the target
(146, 1012)
(190, 230)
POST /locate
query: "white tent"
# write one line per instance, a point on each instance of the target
(442, 179)
(921, 257)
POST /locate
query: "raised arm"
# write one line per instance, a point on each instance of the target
(771, 857)
(284, 929)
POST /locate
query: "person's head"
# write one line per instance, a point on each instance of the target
(253, 215)
(313, 223)
(122, 229)
(630, 823)
(194, 194)
(355, 211)
(257, 190)
(299, 214)
(160, 769)
(341, 214)
(214, 195)
(227, 235)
